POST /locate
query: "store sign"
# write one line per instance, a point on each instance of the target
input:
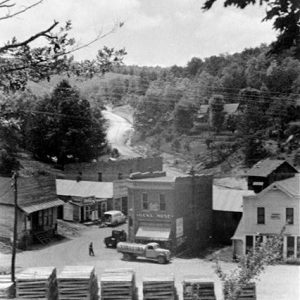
(179, 227)
(153, 215)
(275, 216)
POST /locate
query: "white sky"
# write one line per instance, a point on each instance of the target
(156, 32)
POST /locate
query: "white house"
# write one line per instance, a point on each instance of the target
(267, 213)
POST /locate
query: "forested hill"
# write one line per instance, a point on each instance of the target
(185, 109)
(226, 108)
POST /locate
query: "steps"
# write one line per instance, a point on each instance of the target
(43, 237)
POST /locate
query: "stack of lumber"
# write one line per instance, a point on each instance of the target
(198, 288)
(37, 283)
(77, 282)
(118, 284)
(7, 288)
(248, 292)
(156, 288)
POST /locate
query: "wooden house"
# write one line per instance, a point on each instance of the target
(267, 171)
(36, 209)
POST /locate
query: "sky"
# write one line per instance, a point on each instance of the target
(155, 32)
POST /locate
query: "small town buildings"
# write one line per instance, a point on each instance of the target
(265, 172)
(267, 213)
(176, 212)
(36, 211)
(88, 200)
(227, 212)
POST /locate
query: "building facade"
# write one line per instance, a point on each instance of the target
(36, 212)
(269, 212)
(175, 212)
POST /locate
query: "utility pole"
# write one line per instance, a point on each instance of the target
(15, 236)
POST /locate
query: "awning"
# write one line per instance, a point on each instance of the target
(153, 233)
(40, 206)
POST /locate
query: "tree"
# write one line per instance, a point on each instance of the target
(184, 115)
(65, 127)
(216, 106)
(250, 266)
(286, 16)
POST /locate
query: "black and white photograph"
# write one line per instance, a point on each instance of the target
(150, 149)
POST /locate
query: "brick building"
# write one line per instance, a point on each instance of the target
(173, 211)
(111, 170)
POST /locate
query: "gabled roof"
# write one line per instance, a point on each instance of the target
(265, 167)
(34, 193)
(290, 185)
(229, 199)
(231, 108)
(100, 190)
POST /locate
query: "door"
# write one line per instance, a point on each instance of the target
(150, 252)
(102, 208)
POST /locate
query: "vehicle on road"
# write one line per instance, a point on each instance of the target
(114, 217)
(150, 251)
(116, 237)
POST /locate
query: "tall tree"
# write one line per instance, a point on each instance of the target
(65, 127)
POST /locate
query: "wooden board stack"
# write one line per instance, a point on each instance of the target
(7, 288)
(77, 282)
(248, 292)
(118, 284)
(37, 283)
(198, 288)
(159, 288)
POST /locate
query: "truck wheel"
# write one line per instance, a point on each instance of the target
(161, 260)
(126, 256)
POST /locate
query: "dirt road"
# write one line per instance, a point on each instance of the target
(278, 283)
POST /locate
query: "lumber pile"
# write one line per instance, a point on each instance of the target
(37, 283)
(77, 282)
(248, 292)
(159, 288)
(118, 284)
(198, 288)
(7, 288)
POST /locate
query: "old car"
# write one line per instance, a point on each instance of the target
(151, 251)
(116, 237)
(114, 217)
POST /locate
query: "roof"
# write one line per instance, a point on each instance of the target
(290, 185)
(239, 232)
(265, 167)
(155, 179)
(203, 108)
(84, 188)
(228, 199)
(34, 193)
(231, 108)
(153, 233)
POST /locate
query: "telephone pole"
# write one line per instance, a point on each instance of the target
(15, 233)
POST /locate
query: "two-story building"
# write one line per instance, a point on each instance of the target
(173, 211)
(267, 213)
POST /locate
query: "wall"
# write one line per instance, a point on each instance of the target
(111, 169)
(275, 202)
(194, 204)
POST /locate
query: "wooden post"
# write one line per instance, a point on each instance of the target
(15, 233)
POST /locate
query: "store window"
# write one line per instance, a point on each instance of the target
(162, 202)
(145, 204)
(290, 246)
(289, 213)
(260, 215)
(249, 243)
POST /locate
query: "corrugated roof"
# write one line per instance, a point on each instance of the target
(227, 199)
(84, 188)
(265, 167)
(31, 190)
(40, 206)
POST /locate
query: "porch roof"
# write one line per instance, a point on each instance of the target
(40, 206)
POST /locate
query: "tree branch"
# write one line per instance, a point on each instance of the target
(3, 5)
(8, 16)
(29, 40)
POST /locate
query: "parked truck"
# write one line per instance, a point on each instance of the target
(116, 237)
(150, 251)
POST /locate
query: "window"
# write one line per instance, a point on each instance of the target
(51, 216)
(258, 240)
(289, 213)
(99, 176)
(145, 201)
(290, 246)
(298, 246)
(260, 215)
(46, 215)
(162, 202)
(249, 243)
(40, 214)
